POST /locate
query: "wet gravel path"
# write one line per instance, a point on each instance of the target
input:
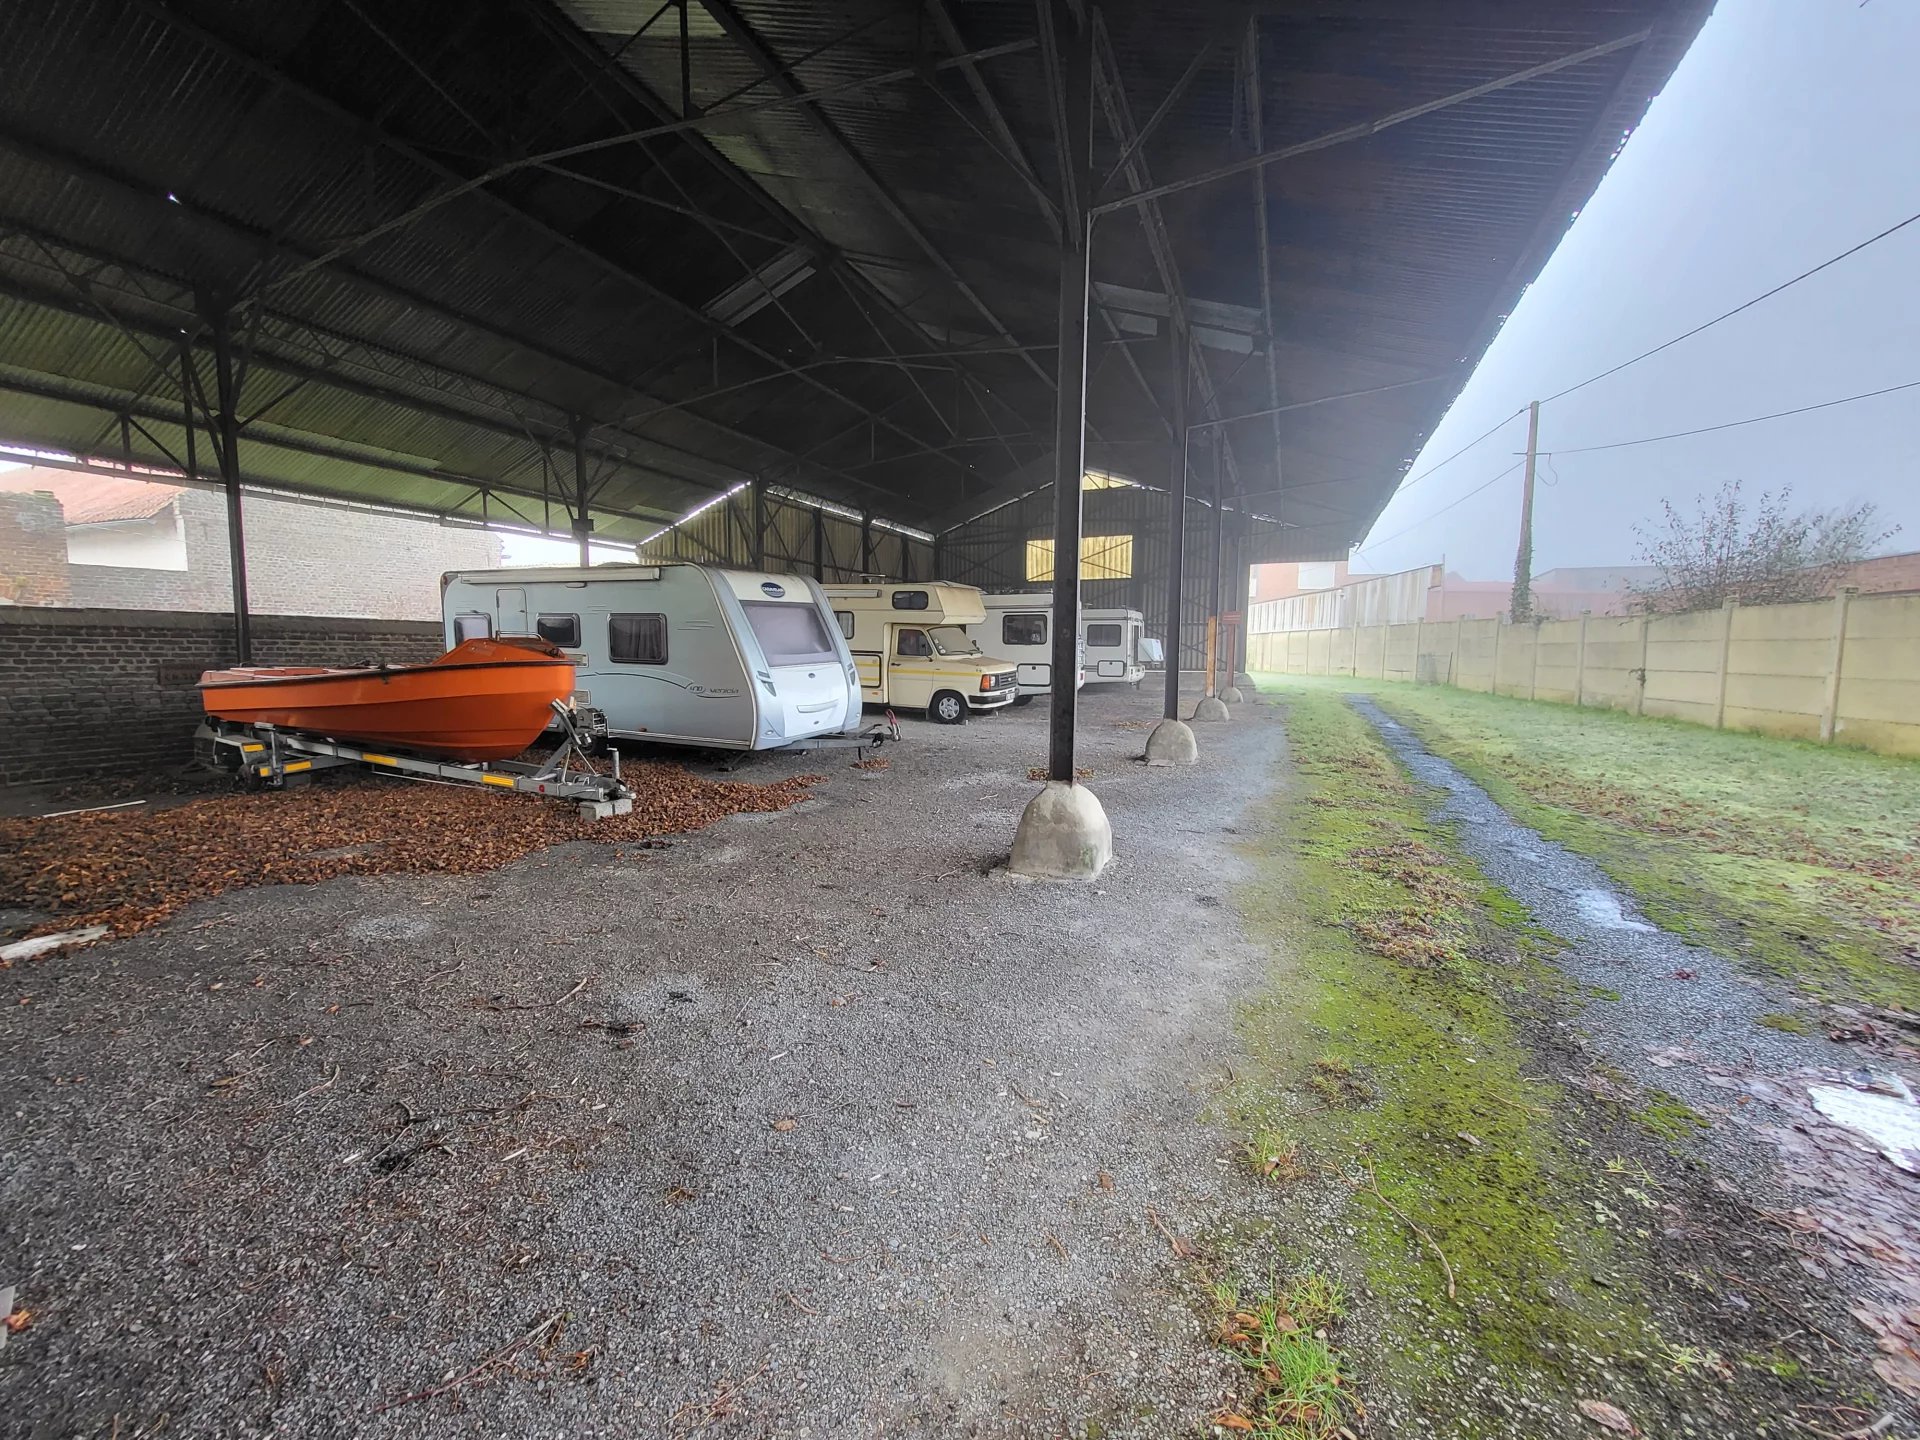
(843, 1134)
(1710, 1012)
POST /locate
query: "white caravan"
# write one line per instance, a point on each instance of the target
(1114, 646)
(1020, 628)
(680, 653)
(911, 648)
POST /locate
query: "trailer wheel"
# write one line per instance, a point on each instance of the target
(949, 707)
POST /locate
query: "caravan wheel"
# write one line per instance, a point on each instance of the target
(949, 707)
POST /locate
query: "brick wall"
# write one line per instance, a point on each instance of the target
(94, 692)
(33, 551)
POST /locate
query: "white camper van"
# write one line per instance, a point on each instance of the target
(1020, 628)
(733, 659)
(1115, 646)
(911, 648)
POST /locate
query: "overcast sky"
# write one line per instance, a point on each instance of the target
(1790, 132)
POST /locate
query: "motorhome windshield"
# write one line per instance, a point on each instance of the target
(789, 633)
(952, 640)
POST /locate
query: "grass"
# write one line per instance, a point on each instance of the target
(1392, 1061)
(1298, 1389)
(1798, 860)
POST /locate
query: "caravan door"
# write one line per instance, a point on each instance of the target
(510, 605)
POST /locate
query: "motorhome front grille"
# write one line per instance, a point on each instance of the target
(1003, 682)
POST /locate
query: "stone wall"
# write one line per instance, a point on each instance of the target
(100, 692)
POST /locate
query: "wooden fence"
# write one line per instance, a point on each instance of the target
(1845, 670)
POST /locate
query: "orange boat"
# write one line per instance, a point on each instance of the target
(482, 700)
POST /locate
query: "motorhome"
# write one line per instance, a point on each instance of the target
(679, 653)
(1020, 628)
(912, 651)
(1115, 648)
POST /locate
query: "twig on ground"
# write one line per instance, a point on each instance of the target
(1186, 1250)
(1780, 1305)
(1373, 1186)
(1027, 1099)
(798, 1303)
(1865, 1432)
(1054, 1240)
(498, 1357)
(442, 974)
(493, 1002)
(1522, 1105)
(326, 1084)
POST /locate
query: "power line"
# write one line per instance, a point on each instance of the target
(1736, 424)
(1385, 539)
(1485, 435)
(1748, 305)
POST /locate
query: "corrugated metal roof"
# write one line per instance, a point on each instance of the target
(161, 158)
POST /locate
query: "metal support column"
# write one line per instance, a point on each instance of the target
(1176, 517)
(759, 547)
(1219, 549)
(226, 440)
(1071, 55)
(819, 544)
(582, 523)
(866, 543)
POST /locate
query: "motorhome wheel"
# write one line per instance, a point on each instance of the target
(949, 707)
(1020, 700)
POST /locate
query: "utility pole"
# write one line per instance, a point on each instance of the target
(1522, 604)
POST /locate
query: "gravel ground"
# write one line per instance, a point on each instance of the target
(810, 1124)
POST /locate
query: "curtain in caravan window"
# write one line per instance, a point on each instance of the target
(1103, 635)
(637, 639)
(789, 634)
(471, 626)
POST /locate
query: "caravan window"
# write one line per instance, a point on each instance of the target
(790, 634)
(910, 600)
(637, 639)
(1103, 634)
(845, 618)
(561, 630)
(913, 642)
(472, 626)
(1023, 629)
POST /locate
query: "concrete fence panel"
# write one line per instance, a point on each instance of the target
(1613, 661)
(1400, 656)
(1877, 699)
(1556, 666)
(1476, 646)
(1845, 670)
(1684, 654)
(1778, 657)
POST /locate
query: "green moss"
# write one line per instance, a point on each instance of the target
(1790, 1023)
(1457, 1136)
(1669, 1117)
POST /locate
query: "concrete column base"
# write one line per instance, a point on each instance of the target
(1212, 708)
(1172, 743)
(1232, 696)
(1063, 835)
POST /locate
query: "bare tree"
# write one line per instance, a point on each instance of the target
(1763, 554)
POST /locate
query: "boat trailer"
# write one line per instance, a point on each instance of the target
(265, 756)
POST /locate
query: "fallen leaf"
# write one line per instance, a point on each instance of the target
(18, 1320)
(1105, 1181)
(1233, 1422)
(1610, 1417)
(1468, 1136)
(784, 1125)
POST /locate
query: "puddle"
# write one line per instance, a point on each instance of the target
(1602, 908)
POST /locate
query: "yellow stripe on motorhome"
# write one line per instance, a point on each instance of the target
(379, 759)
(497, 779)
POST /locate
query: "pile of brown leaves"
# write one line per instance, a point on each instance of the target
(132, 869)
